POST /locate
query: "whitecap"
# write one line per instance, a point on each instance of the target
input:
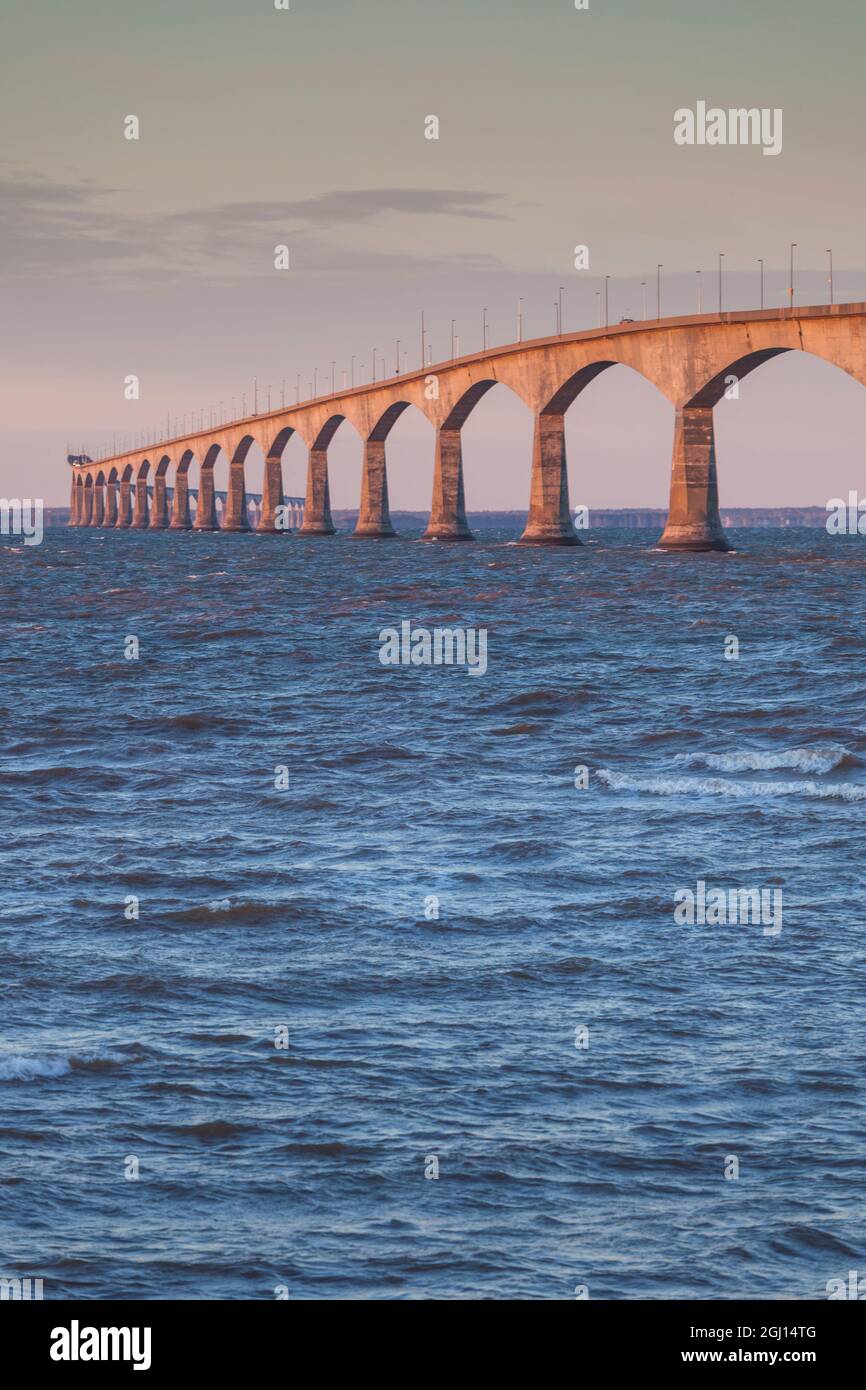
(14, 1067)
(754, 760)
(718, 786)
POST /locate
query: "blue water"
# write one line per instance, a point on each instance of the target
(411, 1038)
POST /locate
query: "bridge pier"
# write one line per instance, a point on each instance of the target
(693, 516)
(74, 503)
(448, 507)
(272, 496)
(549, 521)
(205, 517)
(158, 510)
(87, 506)
(317, 507)
(235, 515)
(374, 517)
(124, 507)
(180, 517)
(139, 511)
(111, 504)
(98, 505)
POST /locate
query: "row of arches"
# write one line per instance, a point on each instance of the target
(139, 493)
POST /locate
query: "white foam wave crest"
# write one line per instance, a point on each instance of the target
(753, 760)
(718, 786)
(16, 1066)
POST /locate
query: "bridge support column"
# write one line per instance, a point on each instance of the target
(693, 516)
(87, 507)
(448, 508)
(98, 505)
(374, 517)
(111, 504)
(317, 508)
(235, 515)
(139, 511)
(158, 508)
(180, 518)
(549, 521)
(205, 517)
(74, 504)
(272, 496)
(124, 507)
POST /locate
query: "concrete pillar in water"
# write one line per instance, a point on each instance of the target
(549, 521)
(693, 521)
(374, 517)
(448, 507)
(317, 509)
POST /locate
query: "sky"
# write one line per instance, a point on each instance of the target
(306, 127)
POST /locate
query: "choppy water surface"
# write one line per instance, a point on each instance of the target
(305, 909)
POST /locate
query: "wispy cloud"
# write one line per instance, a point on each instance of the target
(49, 228)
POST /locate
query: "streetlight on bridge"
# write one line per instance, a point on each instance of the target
(721, 258)
(700, 292)
(761, 264)
(830, 278)
(659, 269)
(791, 278)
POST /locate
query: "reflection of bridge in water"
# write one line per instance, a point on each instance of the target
(692, 362)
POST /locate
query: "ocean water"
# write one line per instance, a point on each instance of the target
(148, 1046)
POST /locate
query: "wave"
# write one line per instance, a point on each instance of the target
(19, 1067)
(717, 786)
(754, 760)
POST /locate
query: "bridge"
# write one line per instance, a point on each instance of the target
(690, 360)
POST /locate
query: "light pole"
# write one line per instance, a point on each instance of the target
(643, 297)
(606, 316)
(761, 264)
(315, 382)
(659, 269)
(791, 278)
(700, 292)
(520, 320)
(353, 371)
(373, 378)
(423, 341)
(397, 373)
(484, 328)
(598, 302)
(830, 281)
(721, 258)
(561, 293)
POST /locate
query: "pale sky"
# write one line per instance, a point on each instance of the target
(306, 127)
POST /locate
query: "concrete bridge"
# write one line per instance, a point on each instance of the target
(688, 359)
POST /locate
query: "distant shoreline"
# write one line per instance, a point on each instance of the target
(600, 518)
